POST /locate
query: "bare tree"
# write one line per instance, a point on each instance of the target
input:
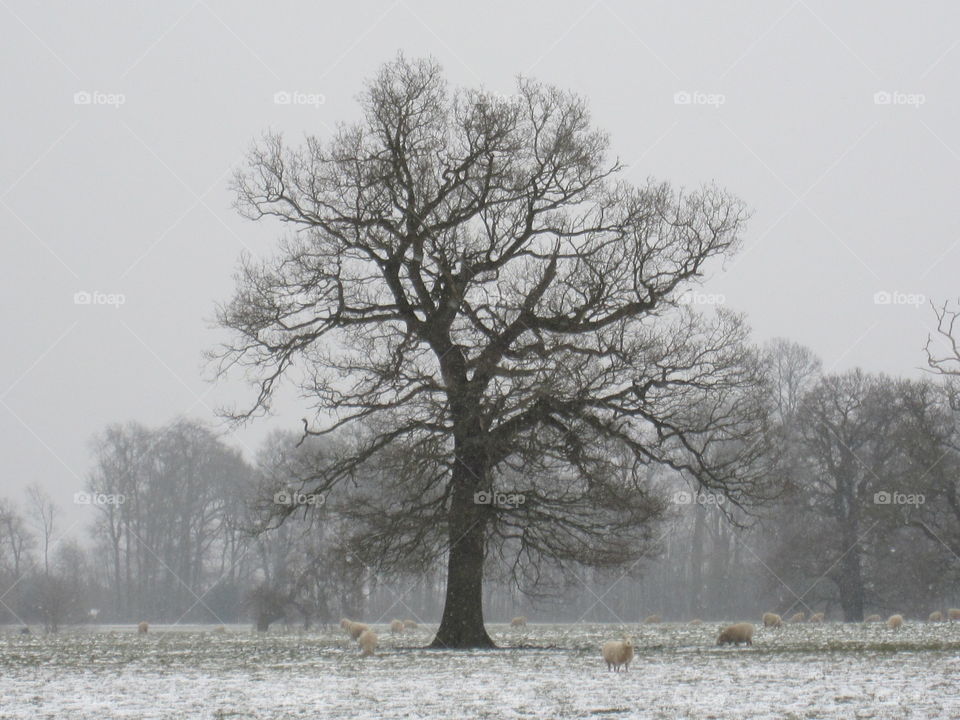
(947, 361)
(793, 370)
(15, 541)
(930, 448)
(471, 284)
(164, 509)
(847, 430)
(44, 517)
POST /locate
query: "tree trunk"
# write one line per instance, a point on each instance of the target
(263, 622)
(461, 625)
(851, 582)
(696, 562)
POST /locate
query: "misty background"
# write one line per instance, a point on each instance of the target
(122, 127)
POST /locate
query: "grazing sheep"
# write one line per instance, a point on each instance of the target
(817, 618)
(617, 653)
(219, 629)
(736, 634)
(357, 629)
(696, 621)
(935, 616)
(873, 618)
(519, 621)
(354, 629)
(143, 627)
(772, 620)
(895, 622)
(367, 641)
(798, 617)
(652, 619)
(410, 625)
(953, 614)
(396, 626)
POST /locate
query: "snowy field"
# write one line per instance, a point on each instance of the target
(551, 671)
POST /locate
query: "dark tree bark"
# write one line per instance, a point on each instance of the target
(461, 625)
(850, 582)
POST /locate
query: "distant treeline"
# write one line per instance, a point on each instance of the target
(863, 516)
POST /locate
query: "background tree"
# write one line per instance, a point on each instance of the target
(43, 513)
(847, 436)
(164, 528)
(943, 346)
(15, 542)
(470, 278)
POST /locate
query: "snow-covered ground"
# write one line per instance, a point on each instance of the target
(551, 671)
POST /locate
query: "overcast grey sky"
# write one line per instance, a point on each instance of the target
(121, 123)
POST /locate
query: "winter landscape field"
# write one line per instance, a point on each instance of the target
(436, 317)
(545, 671)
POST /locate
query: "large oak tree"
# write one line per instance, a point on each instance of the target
(473, 291)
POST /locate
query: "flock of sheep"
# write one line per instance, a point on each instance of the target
(365, 636)
(618, 654)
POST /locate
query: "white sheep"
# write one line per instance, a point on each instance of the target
(368, 642)
(736, 634)
(354, 629)
(617, 653)
(520, 621)
(396, 626)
